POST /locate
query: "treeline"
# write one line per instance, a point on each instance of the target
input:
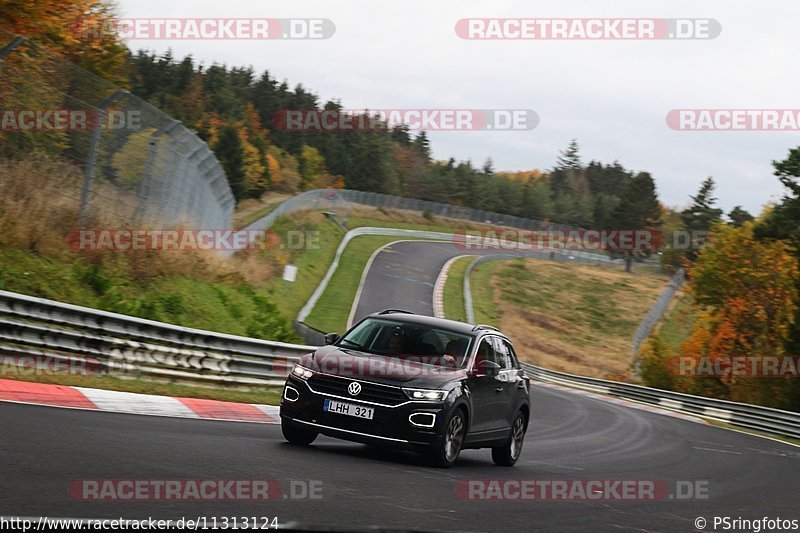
(234, 110)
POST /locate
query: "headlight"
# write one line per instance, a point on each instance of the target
(302, 372)
(426, 394)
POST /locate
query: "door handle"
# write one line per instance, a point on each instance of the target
(499, 389)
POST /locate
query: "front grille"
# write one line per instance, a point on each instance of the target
(370, 392)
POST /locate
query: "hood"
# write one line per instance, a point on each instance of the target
(399, 371)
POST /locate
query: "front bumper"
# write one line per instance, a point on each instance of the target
(390, 426)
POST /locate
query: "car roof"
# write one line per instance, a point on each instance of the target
(430, 321)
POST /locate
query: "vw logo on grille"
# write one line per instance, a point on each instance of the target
(354, 388)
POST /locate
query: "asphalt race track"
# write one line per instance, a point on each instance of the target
(403, 274)
(572, 437)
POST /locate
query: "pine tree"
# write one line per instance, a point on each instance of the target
(639, 210)
(701, 215)
(231, 156)
(570, 157)
(738, 216)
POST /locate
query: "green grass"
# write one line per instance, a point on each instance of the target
(333, 308)
(262, 395)
(595, 302)
(677, 325)
(248, 219)
(227, 306)
(357, 221)
(725, 425)
(454, 290)
(311, 263)
(483, 303)
(570, 317)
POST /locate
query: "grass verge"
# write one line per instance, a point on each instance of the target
(454, 289)
(569, 317)
(676, 327)
(483, 293)
(333, 308)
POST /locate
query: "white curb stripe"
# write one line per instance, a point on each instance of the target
(438, 288)
(138, 404)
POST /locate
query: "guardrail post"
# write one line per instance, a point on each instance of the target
(88, 175)
(147, 178)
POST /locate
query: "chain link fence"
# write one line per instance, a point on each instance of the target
(342, 198)
(97, 151)
(655, 313)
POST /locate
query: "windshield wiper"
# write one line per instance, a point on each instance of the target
(353, 344)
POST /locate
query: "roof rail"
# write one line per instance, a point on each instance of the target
(390, 311)
(484, 326)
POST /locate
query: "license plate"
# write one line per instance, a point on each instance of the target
(349, 409)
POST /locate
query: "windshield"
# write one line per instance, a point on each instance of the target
(413, 342)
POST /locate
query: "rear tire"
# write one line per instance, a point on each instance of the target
(296, 435)
(509, 452)
(445, 454)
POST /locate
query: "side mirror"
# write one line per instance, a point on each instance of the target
(331, 338)
(486, 368)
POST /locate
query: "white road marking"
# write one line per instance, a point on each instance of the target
(140, 404)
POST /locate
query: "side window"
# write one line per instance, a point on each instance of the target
(512, 354)
(503, 355)
(485, 351)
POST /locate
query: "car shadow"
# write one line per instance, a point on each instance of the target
(382, 454)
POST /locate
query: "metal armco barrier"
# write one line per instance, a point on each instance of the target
(775, 421)
(118, 344)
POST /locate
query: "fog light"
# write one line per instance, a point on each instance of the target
(422, 420)
(290, 394)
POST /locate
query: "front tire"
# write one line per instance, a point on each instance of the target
(509, 452)
(446, 453)
(296, 435)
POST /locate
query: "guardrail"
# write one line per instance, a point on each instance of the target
(561, 255)
(118, 344)
(774, 421)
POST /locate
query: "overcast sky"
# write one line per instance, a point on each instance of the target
(612, 96)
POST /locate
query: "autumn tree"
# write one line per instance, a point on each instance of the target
(747, 289)
(312, 167)
(783, 222)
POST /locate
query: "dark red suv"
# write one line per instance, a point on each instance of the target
(405, 380)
